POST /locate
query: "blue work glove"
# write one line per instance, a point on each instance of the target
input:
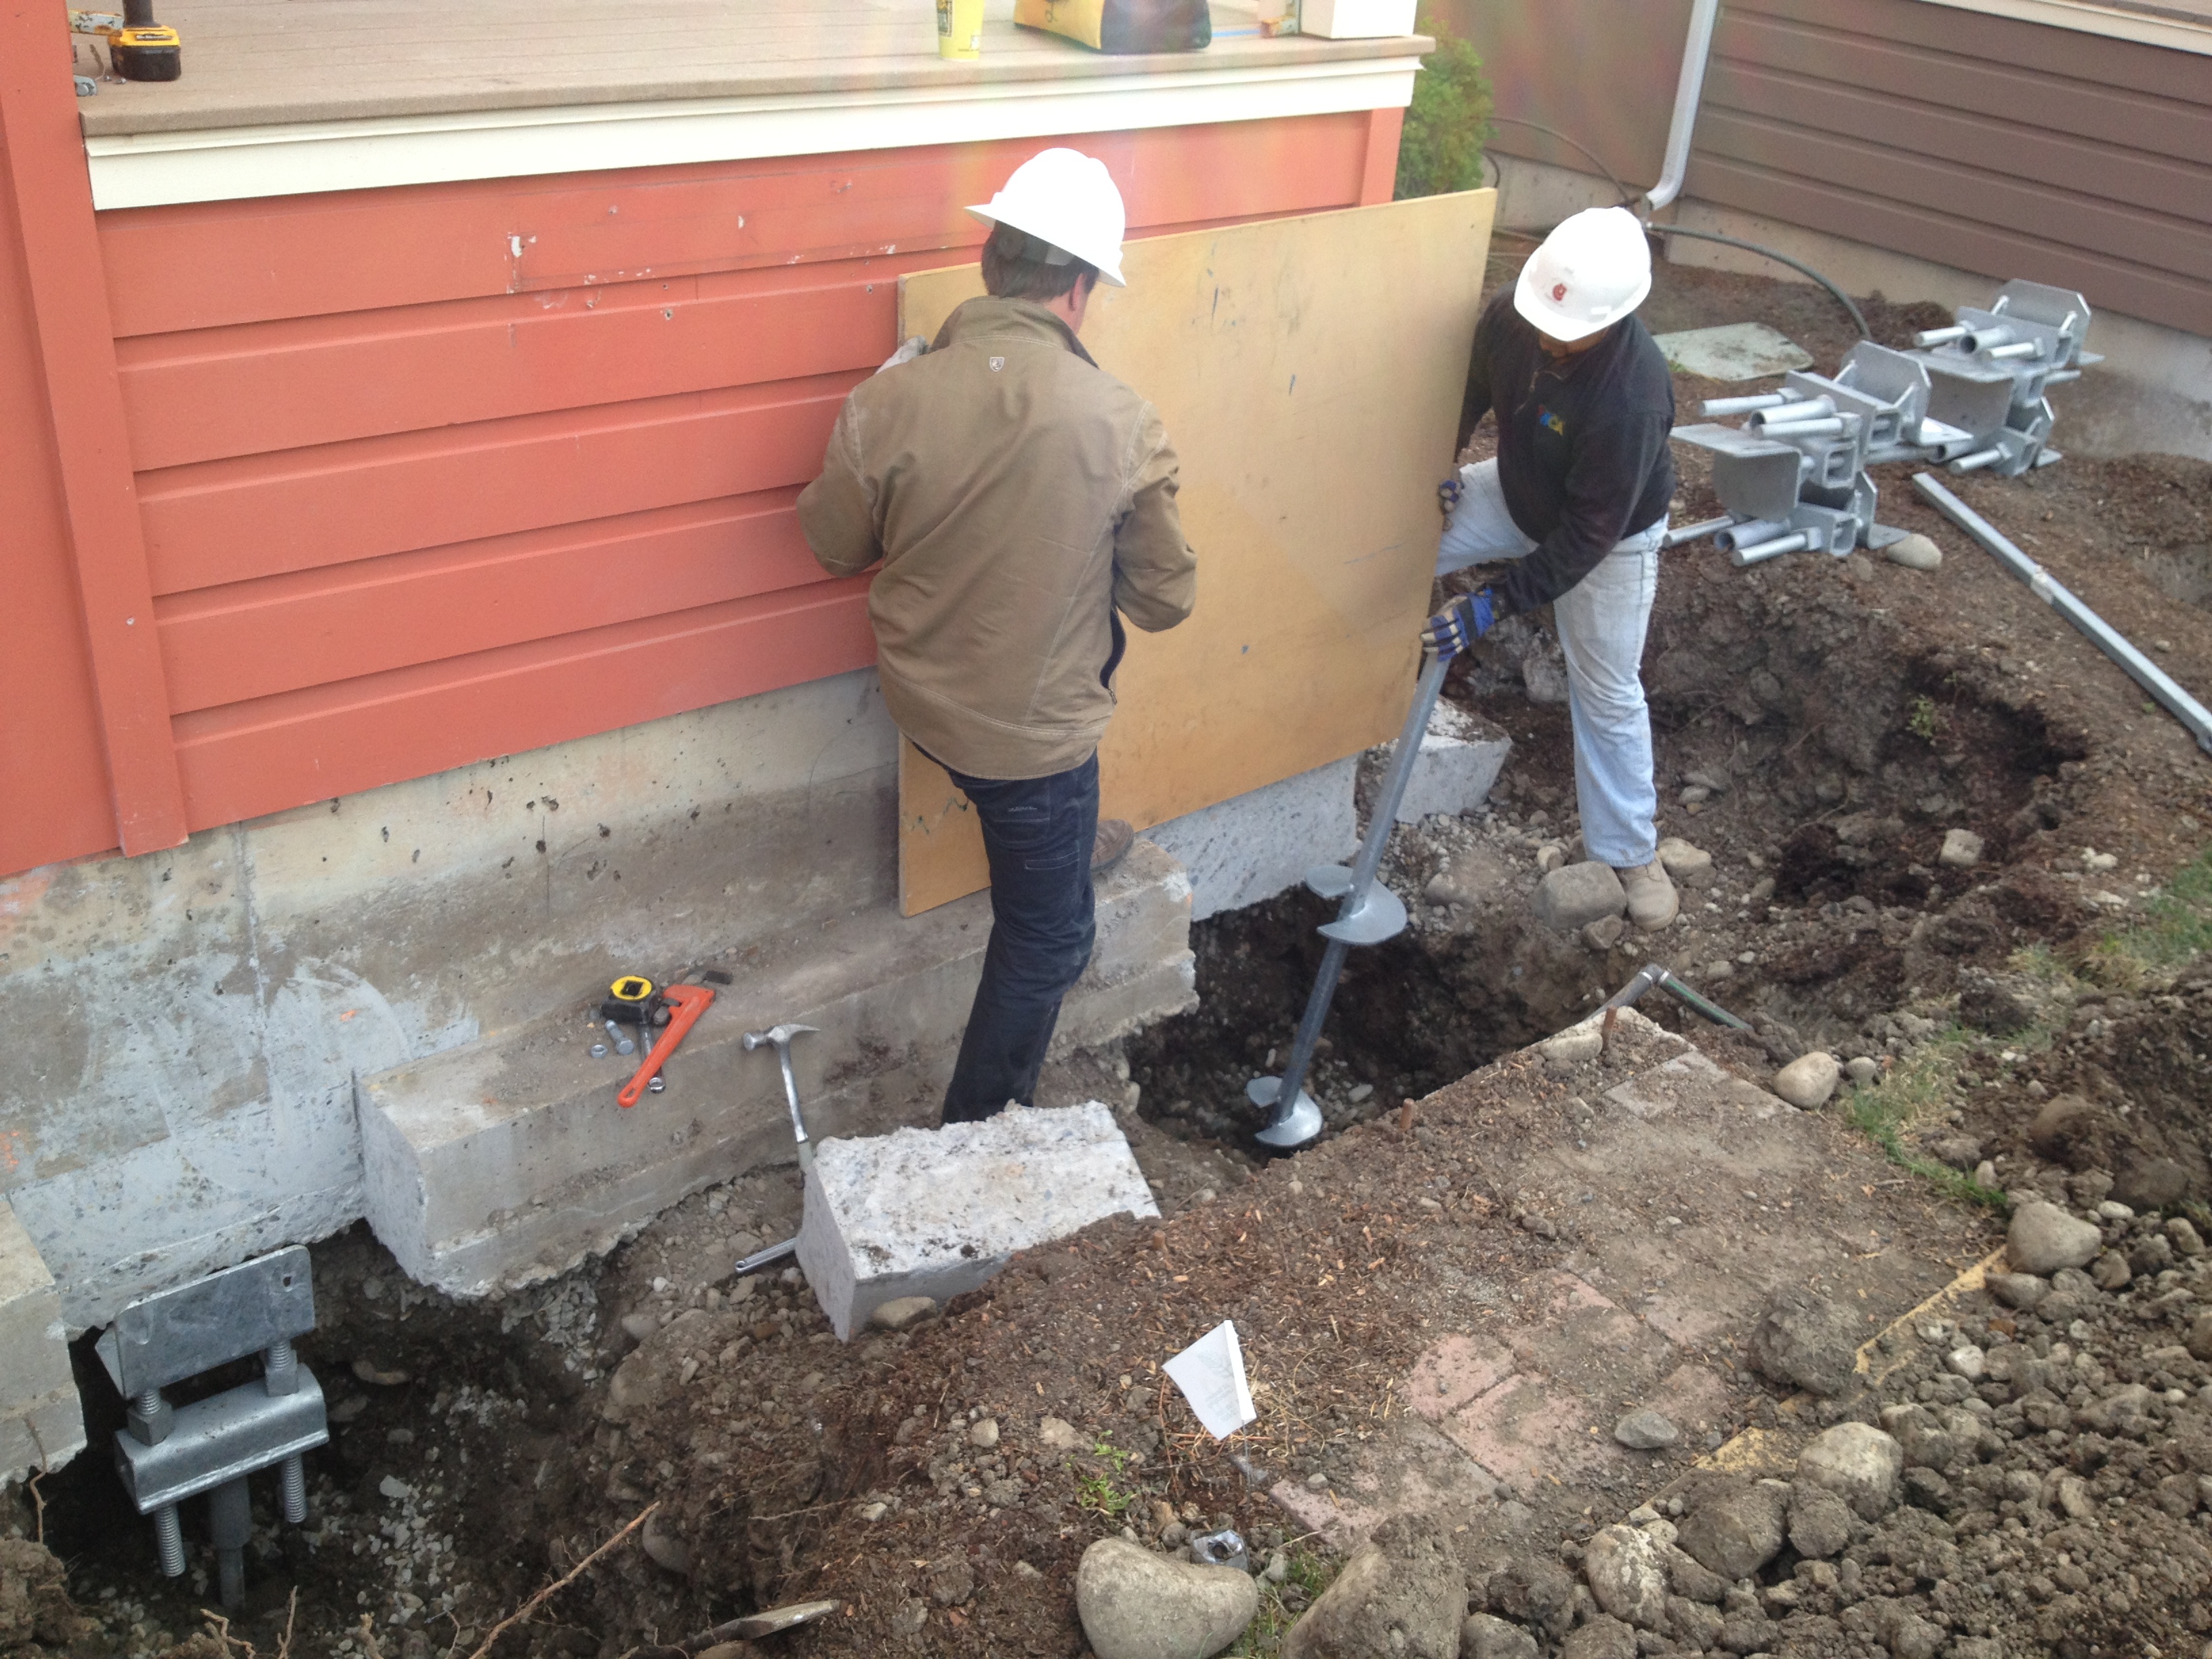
(1460, 623)
(1448, 495)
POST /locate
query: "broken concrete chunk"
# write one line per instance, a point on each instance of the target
(1405, 1582)
(1136, 1605)
(1857, 1462)
(1576, 894)
(1459, 760)
(2022, 1291)
(2043, 1238)
(1915, 552)
(939, 1212)
(1807, 1081)
(1626, 1576)
(1575, 1046)
(1808, 1342)
(1962, 849)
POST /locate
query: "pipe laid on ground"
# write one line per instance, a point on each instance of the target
(1978, 460)
(1713, 408)
(2141, 669)
(1749, 532)
(1796, 542)
(1809, 409)
(1653, 974)
(1697, 532)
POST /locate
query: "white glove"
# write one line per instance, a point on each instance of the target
(910, 349)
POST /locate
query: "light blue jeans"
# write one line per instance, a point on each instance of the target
(1602, 620)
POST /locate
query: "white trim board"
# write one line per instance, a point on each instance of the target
(232, 163)
(2150, 24)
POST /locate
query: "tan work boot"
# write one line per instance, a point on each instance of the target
(1652, 901)
(1114, 838)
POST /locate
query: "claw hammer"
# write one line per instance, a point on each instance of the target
(781, 1036)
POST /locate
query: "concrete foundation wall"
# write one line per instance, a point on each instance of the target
(188, 1025)
(2154, 391)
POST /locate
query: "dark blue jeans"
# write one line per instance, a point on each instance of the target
(1038, 833)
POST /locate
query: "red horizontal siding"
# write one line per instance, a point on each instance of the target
(433, 474)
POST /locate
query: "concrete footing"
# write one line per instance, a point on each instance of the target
(1255, 845)
(41, 1424)
(938, 1213)
(1460, 758)
(508, 1161)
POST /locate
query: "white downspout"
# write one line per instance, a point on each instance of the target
(1687, 93)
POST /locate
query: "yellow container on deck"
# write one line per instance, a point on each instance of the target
(959, 28)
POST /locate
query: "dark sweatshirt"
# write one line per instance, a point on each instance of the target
(1582, 443)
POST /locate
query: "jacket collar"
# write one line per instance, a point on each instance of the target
(993, 319)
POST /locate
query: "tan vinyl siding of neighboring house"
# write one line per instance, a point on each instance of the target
(2006, 147)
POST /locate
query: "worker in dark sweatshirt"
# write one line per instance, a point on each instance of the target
(1577, 501)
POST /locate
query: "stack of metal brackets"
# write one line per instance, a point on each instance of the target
(167, 1454)
(1793, 478)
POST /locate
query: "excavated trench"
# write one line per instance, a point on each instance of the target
(1813, 745)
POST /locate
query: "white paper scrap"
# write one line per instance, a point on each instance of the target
(1211, 1374)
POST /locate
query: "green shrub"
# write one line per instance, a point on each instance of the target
(1441, 149)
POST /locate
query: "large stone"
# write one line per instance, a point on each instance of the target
(506, 1161)
(938, 1211)
(1646, 1430)
(41, 1422)
(1576, 894)
(1819, 1522)
(1807, 1081)
(1486, 1636)
(2022, 1291)
(1401, 1596)
(1626, 1577)
(1533, 1590)
(1915, 552)
(1736, 1528)
(1460, 759)
(1857, 1462)
(2043, 1238)
(1136, 1605)
(1686, 864)
(1807, 1341)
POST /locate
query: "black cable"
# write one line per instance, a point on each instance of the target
(1843, 299)
(1627, 196)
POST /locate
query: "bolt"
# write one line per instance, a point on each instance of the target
(623, 1044)
(280, 1368)
(292, 1474)
(169, 1539)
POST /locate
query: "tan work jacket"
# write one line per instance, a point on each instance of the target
(1018, 495)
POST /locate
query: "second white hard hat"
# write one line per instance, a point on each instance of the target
(1068, 199)
(1592, 271)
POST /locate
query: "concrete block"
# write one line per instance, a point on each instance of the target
(508, 1161)
(1256, 845)
(41, 1422)
(1460, 758)
(937, 1212)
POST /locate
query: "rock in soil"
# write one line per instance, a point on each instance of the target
(1808, 1342)
(1646, 1430)
(1807, 1081)
(1601, 1639)
(1625, 1576)
(1401, 1596)
(1577, 894)
(2043, 1238)
(1819, 1522)
(1736, 1528)
(1915, 552)
(902, 1313)
(1136, 1605)
(1486, 1636)
(1857, 1462)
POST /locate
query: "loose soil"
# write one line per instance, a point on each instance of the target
(1839, 715)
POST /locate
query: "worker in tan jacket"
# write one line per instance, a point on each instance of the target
(1021, 501)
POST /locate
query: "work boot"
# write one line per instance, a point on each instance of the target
(1114, 838)
(1652, 901)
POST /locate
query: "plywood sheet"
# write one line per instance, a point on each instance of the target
(1309, 372)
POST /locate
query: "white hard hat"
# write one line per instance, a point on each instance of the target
(1592, 271)
(1068, 199)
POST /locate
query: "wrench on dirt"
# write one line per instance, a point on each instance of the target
(780, 1036)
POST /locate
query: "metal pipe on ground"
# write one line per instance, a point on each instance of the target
(1713, 408)
(1653, 974)
(1796, 542)
(2139, 668)
(1697, 532)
